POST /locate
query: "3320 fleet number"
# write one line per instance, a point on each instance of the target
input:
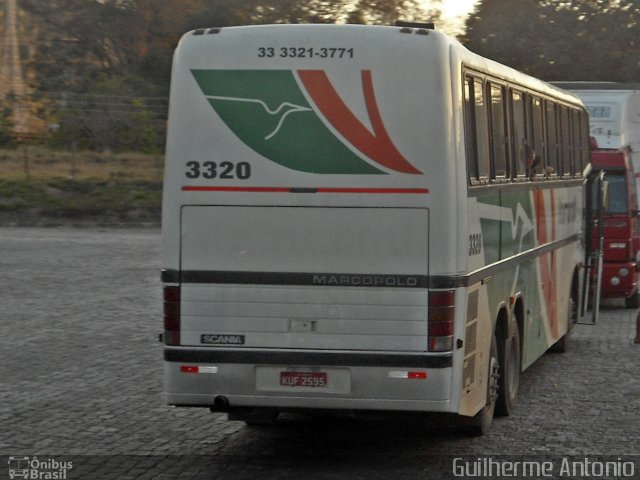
(223, 170)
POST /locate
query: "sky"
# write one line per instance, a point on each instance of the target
(454, 12)
(457, 7)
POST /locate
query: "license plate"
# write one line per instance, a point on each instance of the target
(303, 379)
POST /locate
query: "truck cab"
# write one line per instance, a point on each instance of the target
(621, 226)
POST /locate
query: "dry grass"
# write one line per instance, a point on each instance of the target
(37, 184)
(37, 164)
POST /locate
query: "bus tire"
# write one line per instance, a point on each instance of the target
(509, 356)
(481, 422)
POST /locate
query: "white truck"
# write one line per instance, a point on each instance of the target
(614, 116)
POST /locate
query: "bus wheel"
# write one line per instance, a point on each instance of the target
(481, 422)
(509, 361)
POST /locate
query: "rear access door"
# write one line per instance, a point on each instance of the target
(322, 278)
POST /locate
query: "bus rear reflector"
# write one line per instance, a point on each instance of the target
(418, 375)
(441, 318)
(198, 369)
(171, 315)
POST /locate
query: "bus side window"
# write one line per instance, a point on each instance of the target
(576, 134)
(476, 130)
(582, 153)
(535, 157)
(565, 142)
(469, 130)
(498, 132)
(552, 165)
(482, 129)
(584, 132)
(519, 139)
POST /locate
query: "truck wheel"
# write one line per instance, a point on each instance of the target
(633, 301)
(481, 422)
(509, 362)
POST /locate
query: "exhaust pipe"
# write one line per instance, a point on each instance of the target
(220, 404)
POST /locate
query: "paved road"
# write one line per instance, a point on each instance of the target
(81, 381)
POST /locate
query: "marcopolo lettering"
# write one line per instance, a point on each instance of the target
(215, 339)
(366, 280)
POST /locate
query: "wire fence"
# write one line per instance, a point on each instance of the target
(86, 121)
(41, 163)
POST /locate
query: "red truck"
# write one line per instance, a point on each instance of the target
(621, 226)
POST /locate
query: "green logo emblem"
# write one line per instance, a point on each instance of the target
(268, 111)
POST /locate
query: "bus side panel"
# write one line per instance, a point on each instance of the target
(533, 225)
(477, 331)
(478, 324)
(558, 214)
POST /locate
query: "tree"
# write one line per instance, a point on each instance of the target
(6, 127)
(110, 56)
(83, 40)
(568, 40)
(386, 13)
(110, 116)
(502, 30)
(79, 38)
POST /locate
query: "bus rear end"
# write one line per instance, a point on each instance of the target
(298, 225)
(323, 307)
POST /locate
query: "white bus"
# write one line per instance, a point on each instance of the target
(364, 218)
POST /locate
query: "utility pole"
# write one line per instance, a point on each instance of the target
(12, 85)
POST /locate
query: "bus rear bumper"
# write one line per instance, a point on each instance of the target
(300, 404)
(282, 387)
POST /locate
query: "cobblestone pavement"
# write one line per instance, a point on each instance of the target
(81, 379)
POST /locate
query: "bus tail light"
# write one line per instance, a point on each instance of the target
(441, 318)
(171, 315)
